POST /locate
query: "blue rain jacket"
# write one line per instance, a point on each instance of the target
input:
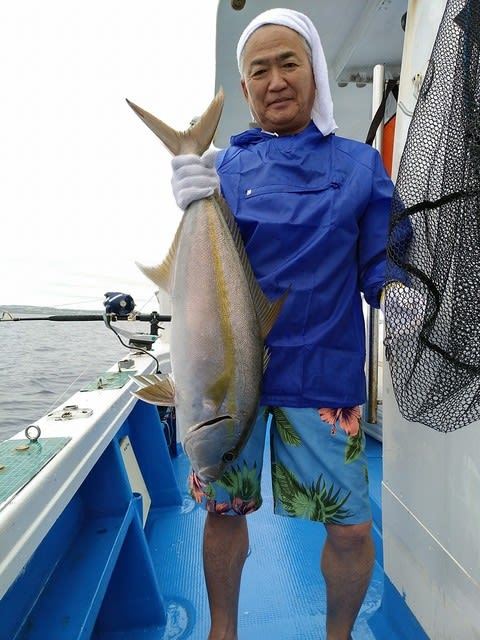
(314, 213)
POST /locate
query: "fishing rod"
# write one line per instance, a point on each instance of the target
(118, 307)
(154, 318)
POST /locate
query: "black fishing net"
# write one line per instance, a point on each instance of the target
(432, 320)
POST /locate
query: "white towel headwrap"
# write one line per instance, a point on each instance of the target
(322, 110)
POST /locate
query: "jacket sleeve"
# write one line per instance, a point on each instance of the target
(400, 242)
(373, 234)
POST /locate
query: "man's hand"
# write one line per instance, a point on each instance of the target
(194, 177)
(403, 307)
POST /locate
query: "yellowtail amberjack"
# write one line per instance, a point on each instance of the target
(220, 318)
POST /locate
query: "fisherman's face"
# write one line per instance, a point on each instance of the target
(278, 80)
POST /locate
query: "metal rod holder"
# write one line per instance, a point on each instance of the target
(373, 315)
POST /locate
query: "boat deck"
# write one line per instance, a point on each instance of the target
(283, 594)
(98, 573)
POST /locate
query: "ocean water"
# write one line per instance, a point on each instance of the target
(43, 363)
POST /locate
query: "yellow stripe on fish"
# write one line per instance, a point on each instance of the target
(220, 387)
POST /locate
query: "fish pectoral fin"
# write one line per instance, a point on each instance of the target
(143, 381)
(218, 390)
(162, 274)
(149, 379)
(156, 389)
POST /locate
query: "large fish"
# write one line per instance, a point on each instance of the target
(220, 318)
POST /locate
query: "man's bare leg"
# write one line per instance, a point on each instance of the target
(347, 563)
(225, 547)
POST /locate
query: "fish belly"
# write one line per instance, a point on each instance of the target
(216, 345)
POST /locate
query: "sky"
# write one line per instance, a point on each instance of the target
(84, 185)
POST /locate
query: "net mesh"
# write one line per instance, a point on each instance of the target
(432, 319)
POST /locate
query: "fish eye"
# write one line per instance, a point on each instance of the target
(229, 456)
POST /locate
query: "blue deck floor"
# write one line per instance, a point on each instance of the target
(283, 594)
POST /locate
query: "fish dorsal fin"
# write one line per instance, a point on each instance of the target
(196, 139)
(267, 312)
(156, 389)
(162, 274)
(266, 358)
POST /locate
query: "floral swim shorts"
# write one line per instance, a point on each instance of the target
(319, 468)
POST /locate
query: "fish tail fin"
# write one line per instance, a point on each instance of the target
(196, 139)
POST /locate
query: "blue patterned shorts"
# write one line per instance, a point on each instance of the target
(319, 468)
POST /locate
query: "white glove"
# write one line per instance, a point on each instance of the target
(194, 177)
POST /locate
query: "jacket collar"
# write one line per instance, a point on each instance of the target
(254, 136)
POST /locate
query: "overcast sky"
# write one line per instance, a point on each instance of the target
(84, 185)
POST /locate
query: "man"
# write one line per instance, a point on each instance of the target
(313, 211)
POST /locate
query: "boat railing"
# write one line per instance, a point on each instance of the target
(72, 544)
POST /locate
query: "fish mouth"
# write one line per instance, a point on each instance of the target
(209, 423)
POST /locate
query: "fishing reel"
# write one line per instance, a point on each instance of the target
(120, 304)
